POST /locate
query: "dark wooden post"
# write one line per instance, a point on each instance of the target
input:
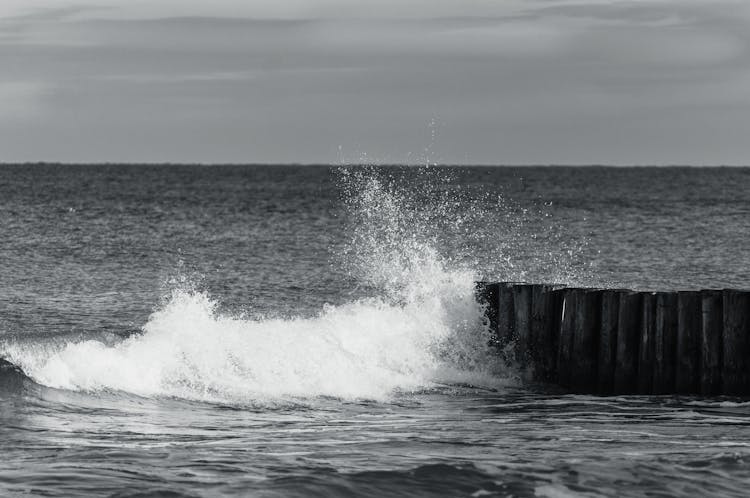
(689, 322)
(736, 370)
(646, 348)
(665, 345)
(522, 310)
(486, 294)
(546, 308)
(628, 338)
(554, 322)
(608, 341)
(506, 315)
(565, 342)
(711, 345)
(585, 351)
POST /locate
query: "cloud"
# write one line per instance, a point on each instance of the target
(533, 81)
(282, 9)
(40, 14)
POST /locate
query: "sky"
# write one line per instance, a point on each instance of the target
(386, 81)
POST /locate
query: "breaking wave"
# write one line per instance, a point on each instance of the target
(421, 327)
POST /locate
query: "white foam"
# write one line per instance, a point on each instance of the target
(366, 349)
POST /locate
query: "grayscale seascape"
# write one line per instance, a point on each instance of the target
(374, 248)
(304, 330)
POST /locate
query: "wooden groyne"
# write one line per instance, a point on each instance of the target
(616, 341)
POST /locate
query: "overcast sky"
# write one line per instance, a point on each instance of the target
(311, 81)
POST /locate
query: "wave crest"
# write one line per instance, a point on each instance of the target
(366, 349)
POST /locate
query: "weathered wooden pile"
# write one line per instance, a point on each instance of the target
(613, 341)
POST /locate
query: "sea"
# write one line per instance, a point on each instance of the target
(275, 331)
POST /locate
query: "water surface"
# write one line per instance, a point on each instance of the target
(277, 331)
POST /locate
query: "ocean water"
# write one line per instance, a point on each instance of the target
(312, 331)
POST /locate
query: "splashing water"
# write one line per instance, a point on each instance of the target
(400, 217)
(364, 349)
(421, 327)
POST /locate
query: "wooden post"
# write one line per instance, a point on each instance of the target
(543, 345)
(554, 323)
(608, 341)
(522, 310)
(689, 322)
(628, 337)
(486, 294)
(665, 345)
(736, 369)
(646, 349)
(506, 316)
(567, 332)
(711, 345)
(585, 351)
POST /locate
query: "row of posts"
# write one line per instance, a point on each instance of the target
(613, 341)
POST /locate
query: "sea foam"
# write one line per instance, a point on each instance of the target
(366, 349)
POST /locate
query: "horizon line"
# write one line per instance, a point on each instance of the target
(354, 164)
